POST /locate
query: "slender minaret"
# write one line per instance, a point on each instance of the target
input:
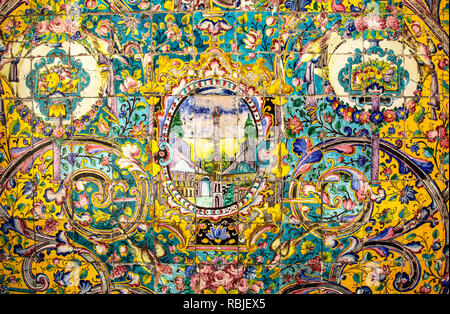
(217, 184)
(216, 135)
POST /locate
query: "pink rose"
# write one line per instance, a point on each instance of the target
(392, 9)
(179, 283)
(347, 114)
(195, 282)
(256, 286)
(78, 125)
(42, 27)
(207, 270)
(90, 4)
(40, 127)
(234, 270)
(144, 5)
(416, 28)
(393, 23)
(376, 22)
(222, 279)
(242, 285)
(72, 26)
(432, 135)
(360, 24)
(57, 26)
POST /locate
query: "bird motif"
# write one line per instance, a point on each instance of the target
(145, 256)
(422, 55)
(285, 249)
(314, 48)
(310, 54)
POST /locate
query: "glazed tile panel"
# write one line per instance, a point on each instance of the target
(220, 146)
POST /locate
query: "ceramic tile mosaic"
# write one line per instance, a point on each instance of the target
(221, 146)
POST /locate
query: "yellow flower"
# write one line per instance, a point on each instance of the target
(307, 246)
(278, 86)
(52, 80)
(57, 110)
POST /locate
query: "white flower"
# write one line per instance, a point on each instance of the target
(253, 39)
(130, 152)
(130, 85)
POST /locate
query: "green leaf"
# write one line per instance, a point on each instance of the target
(83, 273)
(437, 266)
(14, 127)
(428, 152)
(342, 188)
(445, 158)
(368, 256)
(393, 197)
(411, 237)
(404, 213)
(435, 234)
(357, 278)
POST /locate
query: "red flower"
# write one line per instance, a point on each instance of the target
(295, 125)
(348, 113)
(442, 131)
(424, 290)
(315, 264)
(387, 172)
(118, 271)
(444, 142)
(389, 115)
(364, 117)
(50, 225)
(443, 63)
(348, 204)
